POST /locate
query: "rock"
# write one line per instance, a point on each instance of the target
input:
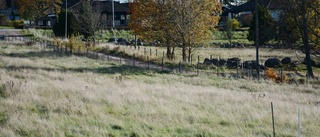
(251, 64)
(214, 61)
(111, 40)
(207, 61)
(272, 63)
(222, 62)
(233, 62)
(122, 41)
(286, 60)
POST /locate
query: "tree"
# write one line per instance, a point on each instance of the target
(184, 24)
(88, 18)
(304, 17)
(3, 4)
(35, 9)
(59, 26)
(266, 26)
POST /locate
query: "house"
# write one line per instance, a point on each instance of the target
(47, 21)
(245, 10)
(121, 14)
(8, 12)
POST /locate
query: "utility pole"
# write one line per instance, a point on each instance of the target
(257, 38)
(113, 24)
(66, 23)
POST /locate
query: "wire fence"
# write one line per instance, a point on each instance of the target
(155, 59)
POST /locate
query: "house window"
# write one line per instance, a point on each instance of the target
(40, 23)
(123, 17)
(128, 17)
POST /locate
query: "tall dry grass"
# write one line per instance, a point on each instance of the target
(57, 95)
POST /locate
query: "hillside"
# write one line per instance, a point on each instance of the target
(44, 93)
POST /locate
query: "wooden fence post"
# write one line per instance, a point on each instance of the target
(162, 64)
(134, 60)
(180, 67)
(274, 132)
(198, 65)
(148, 62)
(150, 52)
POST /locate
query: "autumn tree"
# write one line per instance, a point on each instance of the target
(303, 17)
(184, 24)
(35, 9)
(146, 21)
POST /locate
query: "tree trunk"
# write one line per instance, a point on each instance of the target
(169, 52)
(189, 53)
(305, 40)
(184, 55)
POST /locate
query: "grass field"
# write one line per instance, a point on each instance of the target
(43, 93)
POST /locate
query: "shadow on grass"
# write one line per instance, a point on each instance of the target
(122, 69)
(42, 54)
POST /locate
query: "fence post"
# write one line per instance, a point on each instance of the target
(299, 124)
(237, 69)
(65, 48)
(133, 59)
(162, 64)
(198, 65)
(274, 132)
(162, 54)
(180, 67)
(148, 62)
(150, 52)
(70, 49)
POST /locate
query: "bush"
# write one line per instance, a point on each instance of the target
(9, 23)
(15, 23)
(235, 24)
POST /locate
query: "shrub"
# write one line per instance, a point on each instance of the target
(274, 76)
(235, 24)
(18, 24)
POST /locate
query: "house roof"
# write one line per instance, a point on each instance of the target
(250, 6)
(105, 6)
(9, 12)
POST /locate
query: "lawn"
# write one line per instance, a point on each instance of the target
(44, 93)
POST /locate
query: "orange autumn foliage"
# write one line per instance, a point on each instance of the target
(274, 76)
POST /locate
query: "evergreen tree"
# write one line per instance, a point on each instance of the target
(266, 26)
